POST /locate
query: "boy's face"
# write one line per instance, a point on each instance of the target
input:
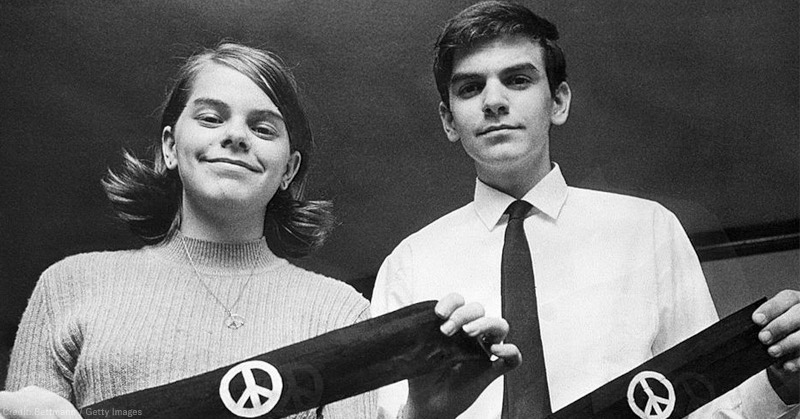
(501, 108)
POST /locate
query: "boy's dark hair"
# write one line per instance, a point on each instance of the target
(492, 19)
(147, 195)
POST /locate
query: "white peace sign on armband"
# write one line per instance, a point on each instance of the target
(252, 392)
(657, 407)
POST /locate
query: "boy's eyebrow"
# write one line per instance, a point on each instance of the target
(521, 67)
(459, 77)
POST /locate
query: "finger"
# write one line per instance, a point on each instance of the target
(788, 346)
(461, 316)
(726, 414)
(508, 354)
(493, 329)
(781, 327)
(506, 357)
(776, 306)
(791, 366)
(447, 305)
(9, 401)
(43, 399)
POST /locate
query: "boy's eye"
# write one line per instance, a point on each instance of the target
(469, 90)
(520, 81)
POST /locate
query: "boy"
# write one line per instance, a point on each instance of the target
(616, 279)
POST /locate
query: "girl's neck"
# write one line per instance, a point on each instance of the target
(228, 226)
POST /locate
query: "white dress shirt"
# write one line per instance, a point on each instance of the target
(617, 282)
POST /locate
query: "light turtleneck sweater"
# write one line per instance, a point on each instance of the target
(103, 324)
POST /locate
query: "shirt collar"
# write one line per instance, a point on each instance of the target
(548, 197)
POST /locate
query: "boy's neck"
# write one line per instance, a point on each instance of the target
(515, 181)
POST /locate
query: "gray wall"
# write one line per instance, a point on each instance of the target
(691, 103)
(737, 282)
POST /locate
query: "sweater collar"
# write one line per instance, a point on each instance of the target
(214, 256)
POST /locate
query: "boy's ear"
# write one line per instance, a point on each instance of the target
(447, 123)
(561, 102)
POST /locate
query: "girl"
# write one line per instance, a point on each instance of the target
(220, 206)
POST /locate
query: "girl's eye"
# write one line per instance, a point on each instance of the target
(264, 131)
(209, 118)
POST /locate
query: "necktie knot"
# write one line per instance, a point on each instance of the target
(518, 209)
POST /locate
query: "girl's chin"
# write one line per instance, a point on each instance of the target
(231, 200)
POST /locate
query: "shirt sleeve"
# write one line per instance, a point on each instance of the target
(684, 302)
(391, 292)
(686, 308)
(759, 400)
(753, 399)
(33, 358)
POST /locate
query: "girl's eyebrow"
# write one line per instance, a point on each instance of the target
(216, 103)
(268, 114)
(210, 102)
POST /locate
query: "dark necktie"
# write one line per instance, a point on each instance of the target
(525, 392)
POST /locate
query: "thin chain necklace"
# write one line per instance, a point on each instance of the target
(233, 321)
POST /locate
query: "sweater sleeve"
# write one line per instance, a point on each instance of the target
(360, 406)
(33, 358)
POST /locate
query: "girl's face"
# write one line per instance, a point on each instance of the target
(230, 144)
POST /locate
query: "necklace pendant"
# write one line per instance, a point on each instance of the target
(234, 321)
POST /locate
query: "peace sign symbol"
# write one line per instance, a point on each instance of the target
(657, 407)
(252, 392)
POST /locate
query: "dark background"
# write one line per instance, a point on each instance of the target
(690, 103)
